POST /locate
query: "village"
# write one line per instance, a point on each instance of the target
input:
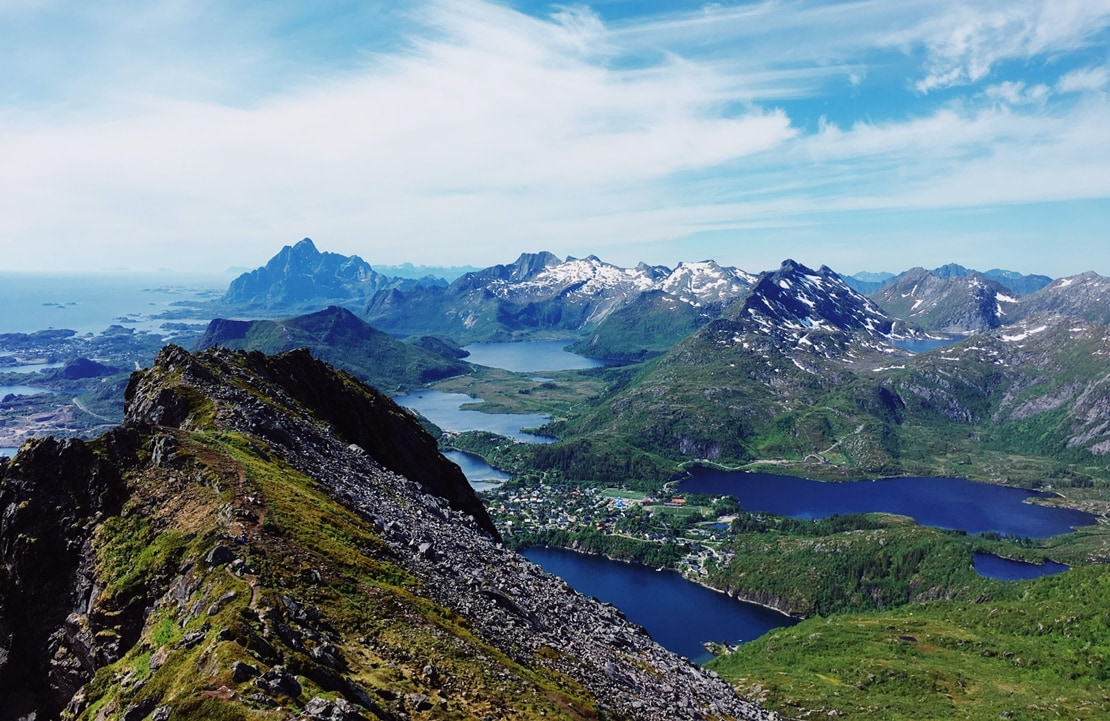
(688, 532)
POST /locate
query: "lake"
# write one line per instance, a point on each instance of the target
(482, 476)
(443, 410)
(679, 614)
(951, 503)
(30, 367)
(921, 346)
(1007, 569)
(22, 390)
(529, 356)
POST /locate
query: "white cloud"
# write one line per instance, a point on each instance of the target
(1084, 80)
(1015, 92)
(482, 128)
(964, 41)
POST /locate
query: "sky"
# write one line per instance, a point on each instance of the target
(866, 135)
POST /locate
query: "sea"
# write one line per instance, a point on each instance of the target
(90, 302)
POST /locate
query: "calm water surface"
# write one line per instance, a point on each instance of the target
(679, 614)
(951, 503)
(90, 302)
(921, 346)
(1005, 569)
(30, 367)
(482, 476)
(22, 390)
(529, 356)
(443, 410)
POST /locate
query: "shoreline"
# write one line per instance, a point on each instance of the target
(734, 596)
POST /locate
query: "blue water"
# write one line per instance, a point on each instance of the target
(921, 346)
(9, 452)
(529, 356)
(679, 614)
(1005, 569)
(482, 476)
(951, 503)
(22, 390)
(443, 410)
(30, 367)
(90, 302)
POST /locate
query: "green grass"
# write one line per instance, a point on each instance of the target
(1045, 654)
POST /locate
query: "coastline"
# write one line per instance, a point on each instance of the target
(742, 598)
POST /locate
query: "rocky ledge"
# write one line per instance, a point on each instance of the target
(266, 538)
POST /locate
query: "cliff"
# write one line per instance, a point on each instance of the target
(267, 538)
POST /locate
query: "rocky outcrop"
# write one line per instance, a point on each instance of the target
(269, 534)
(292, 384)
(52, 495)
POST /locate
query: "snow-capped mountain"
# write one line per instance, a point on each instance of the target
(540, 293)
(967, 303)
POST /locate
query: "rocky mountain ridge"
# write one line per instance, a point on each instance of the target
(301, 274)
(968, 303)
(266, 538)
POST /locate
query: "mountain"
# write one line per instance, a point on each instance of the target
(802, 374)
(1018, 283)
(1011, 280)
(794, 301)
(866, 282)
(267, 538)
(1085, 296)
(301, 275)
(540, 294)
(775, 374)
(1014, 282)
(337, 336)
(647, 326)
(952, 302)
(650, 323)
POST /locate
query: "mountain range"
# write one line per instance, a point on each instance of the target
(795, 363)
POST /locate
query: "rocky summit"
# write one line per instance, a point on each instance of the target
(267, 538)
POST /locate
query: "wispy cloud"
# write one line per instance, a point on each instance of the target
(473, 130)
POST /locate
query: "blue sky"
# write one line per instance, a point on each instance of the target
(865, 135)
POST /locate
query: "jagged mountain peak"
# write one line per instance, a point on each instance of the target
(300, 275)
(528, 265)
(951, 270)
(815, 313)
(955, 302)
(1085, 296)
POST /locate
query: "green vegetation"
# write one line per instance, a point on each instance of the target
(1044, 653)
(337, 336)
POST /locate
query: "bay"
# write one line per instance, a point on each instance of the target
(529, 356)
(951, 503)
(90, 302)
(481, 475)
(443, 410)
(679, 614)
(30, 368)
(1007, 569)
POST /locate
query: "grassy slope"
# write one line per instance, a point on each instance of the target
(223, 485)
(1042, 655)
